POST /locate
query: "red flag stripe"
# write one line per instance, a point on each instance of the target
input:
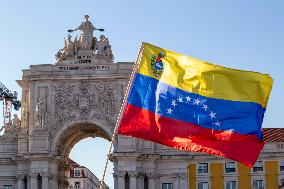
(144, 124)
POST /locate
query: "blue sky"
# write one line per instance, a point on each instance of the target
(239, 34)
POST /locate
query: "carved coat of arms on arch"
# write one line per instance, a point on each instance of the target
(83, 101)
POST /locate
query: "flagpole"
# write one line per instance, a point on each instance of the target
(122, 109)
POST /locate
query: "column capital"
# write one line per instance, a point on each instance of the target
(120, 174)
(33, 174)
(20, 176)
(133, 174)
(183, 175)
(140, 175)
(53, 177)
(152, 175)
(44, 174)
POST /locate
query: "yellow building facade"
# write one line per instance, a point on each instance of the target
(209, 172)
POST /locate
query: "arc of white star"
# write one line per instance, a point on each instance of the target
(188, 98)
(169, 111)
(205, 107)
(197, 101)
(217, 123)
(174, 103)
(180, 99)
(212, 115)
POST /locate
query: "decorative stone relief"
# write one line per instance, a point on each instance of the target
(11, 130)
(83, 101)
(86, 48)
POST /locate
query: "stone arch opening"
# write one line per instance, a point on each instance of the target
(67, 139)
(73, 134)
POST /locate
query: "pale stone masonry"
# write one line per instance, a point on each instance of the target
(77, 97)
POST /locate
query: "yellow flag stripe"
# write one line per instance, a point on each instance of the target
(207, 79)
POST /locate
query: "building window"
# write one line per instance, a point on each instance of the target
(7, 186)
(281, 165)
(231, 185)
(230, 167)
(77, 173)
(202, 168)
(167, 186)
(258, 166)
(258, 184)
(77, 185)
(203, 185)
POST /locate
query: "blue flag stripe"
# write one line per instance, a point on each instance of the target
(217, 114)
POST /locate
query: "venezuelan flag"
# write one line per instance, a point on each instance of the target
(192, 105)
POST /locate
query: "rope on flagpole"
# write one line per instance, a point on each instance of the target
(122, 110)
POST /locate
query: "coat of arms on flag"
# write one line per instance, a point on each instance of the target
(157, 64)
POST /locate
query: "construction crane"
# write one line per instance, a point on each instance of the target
(9, 99)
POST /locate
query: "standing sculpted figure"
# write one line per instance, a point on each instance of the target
(104, 48)
(86, 37)
(16, 122)
(68, 51)
(40, 112)
(69, 46)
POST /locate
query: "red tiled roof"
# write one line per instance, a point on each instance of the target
(273, 134)
(73, 163)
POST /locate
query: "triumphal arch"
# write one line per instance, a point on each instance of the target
(79, 96)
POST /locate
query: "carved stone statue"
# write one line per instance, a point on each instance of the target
(104, 49)
(40, 112)
(25, 115)
(11, 128)
(16, 122)
(86, 37)
(69, 49)
(85, 49)
(69, 46)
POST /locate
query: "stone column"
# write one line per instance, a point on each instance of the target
(28, 181)
(121, 180)
(132, 178)
(176, 181)
(33, 180)
(53, 182)
(157, 181)
(20, 181)
(183, 180)
(115, 181)
(140, 180)
(151, 180)
(44, 177)
(61, 182)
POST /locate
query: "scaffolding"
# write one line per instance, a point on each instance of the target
(9, 100)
